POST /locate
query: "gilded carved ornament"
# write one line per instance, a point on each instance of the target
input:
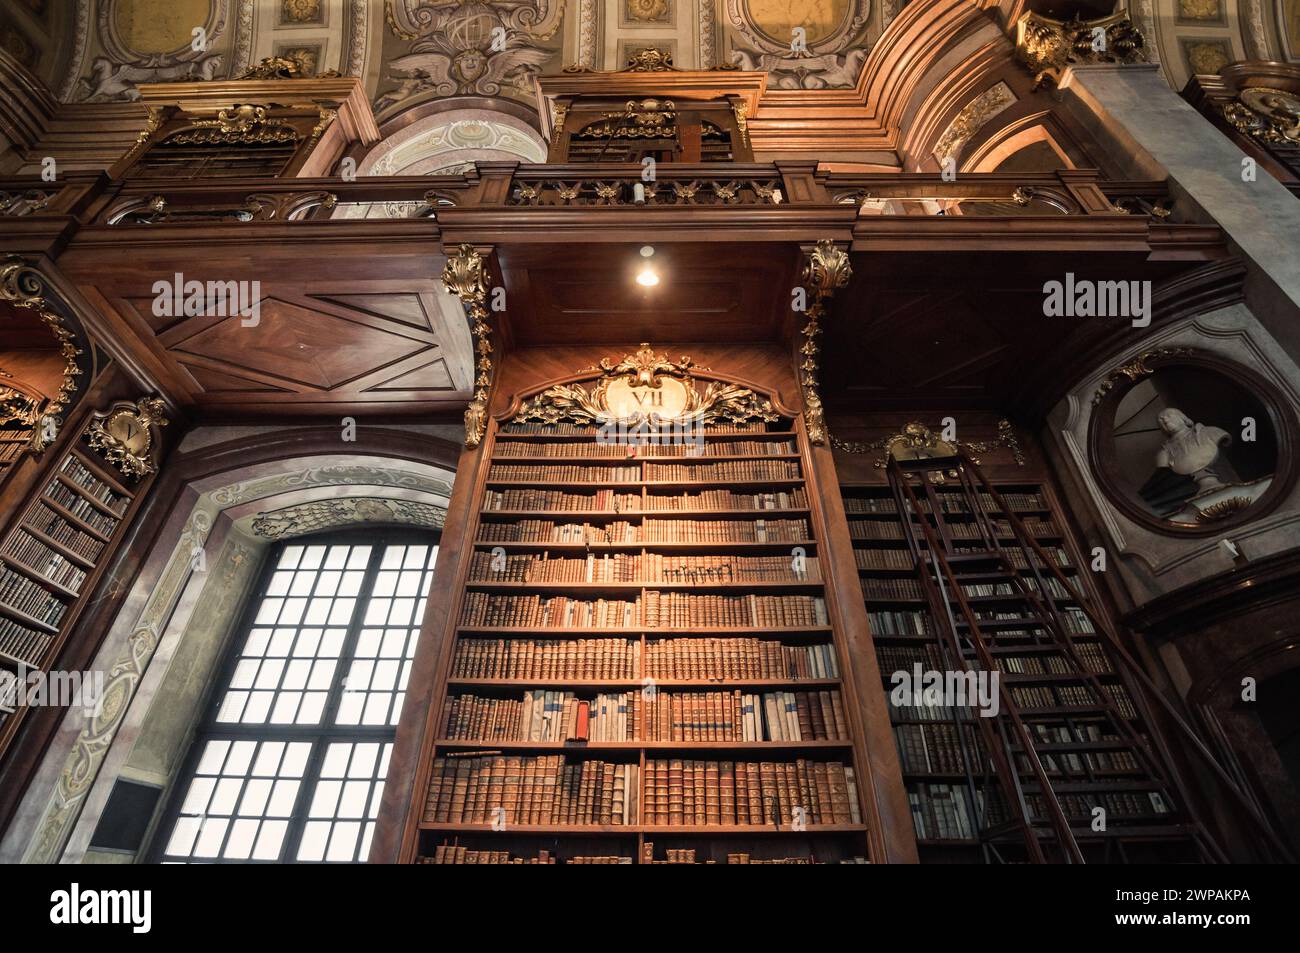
(646, 389)
(1048, 47)
(24, 287)
(826, 270)
(465, 276)
(126, 435)
(1135, 369)
(1271, 116)
(916, 441)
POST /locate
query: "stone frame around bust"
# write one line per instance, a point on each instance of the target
(1102, 455)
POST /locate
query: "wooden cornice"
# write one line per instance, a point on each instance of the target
(347, 94)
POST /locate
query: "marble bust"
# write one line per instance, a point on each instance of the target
(1191, 449)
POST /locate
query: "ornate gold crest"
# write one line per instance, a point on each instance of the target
(646, 389)
(126, 435)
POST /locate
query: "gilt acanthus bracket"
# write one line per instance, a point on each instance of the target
(826, 269)
(465, 276)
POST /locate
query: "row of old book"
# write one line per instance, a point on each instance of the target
(76, 471)
(696, 659)
(563, 429)
(44, 520)
(43, 561)
(737, 658)
(740, 716)
(640, 568)
(948, 502)
(793, 498)
(685, 448)
(1092, 654)
(745, 471)
(896, 587)
(505, 790)
(648, 715)
(17, 641)
(80, 507)
(724, 531)
(653, 609)
(540, 659)
(543, 715)
(533, 500)
(791, 795)
(454, 853)
(937, 748)
(563, 473)
(1071, 696)
(680, 610)
(870, 559)
(1080, 807)
(898, 622)
(1106, 761)
(943, 811)
(30, 598)
(549, 531)
(622, 532)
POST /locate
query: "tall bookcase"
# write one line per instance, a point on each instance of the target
(946, 769)
(643, 669)
(52, 558)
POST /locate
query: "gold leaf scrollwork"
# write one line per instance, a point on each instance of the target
(916, 441)
(1135, 369)
(718, 402)
(124, 435)
(826, 270)
(24, 287)
(465, 276)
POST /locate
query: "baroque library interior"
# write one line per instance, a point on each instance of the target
(649, 432)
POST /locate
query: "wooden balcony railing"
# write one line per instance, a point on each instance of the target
(95, 199)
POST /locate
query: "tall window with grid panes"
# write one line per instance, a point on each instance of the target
(289, 760)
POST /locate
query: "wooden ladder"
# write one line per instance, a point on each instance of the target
(1017, 799)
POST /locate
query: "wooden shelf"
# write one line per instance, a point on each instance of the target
(610, 747)
(637, 684)
(29, 620)
(633, 515)
(639, 586)
(86, 495)
(637, 751)
(638, 458)
(35, 575)
(75, 521)
(58, 547)
(720, 548)
(633, 632)
(721, 482)
(506, 437)
(631, 830)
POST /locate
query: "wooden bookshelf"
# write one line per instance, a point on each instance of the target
(945, 768)
(53, 556)
(658, 638)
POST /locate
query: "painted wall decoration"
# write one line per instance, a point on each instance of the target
(828, 51)
(449, 47)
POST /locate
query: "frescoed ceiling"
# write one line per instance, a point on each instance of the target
(412, 52)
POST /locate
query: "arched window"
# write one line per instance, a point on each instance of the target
(289, 760)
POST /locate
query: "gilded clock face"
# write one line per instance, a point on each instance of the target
(126, 428)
